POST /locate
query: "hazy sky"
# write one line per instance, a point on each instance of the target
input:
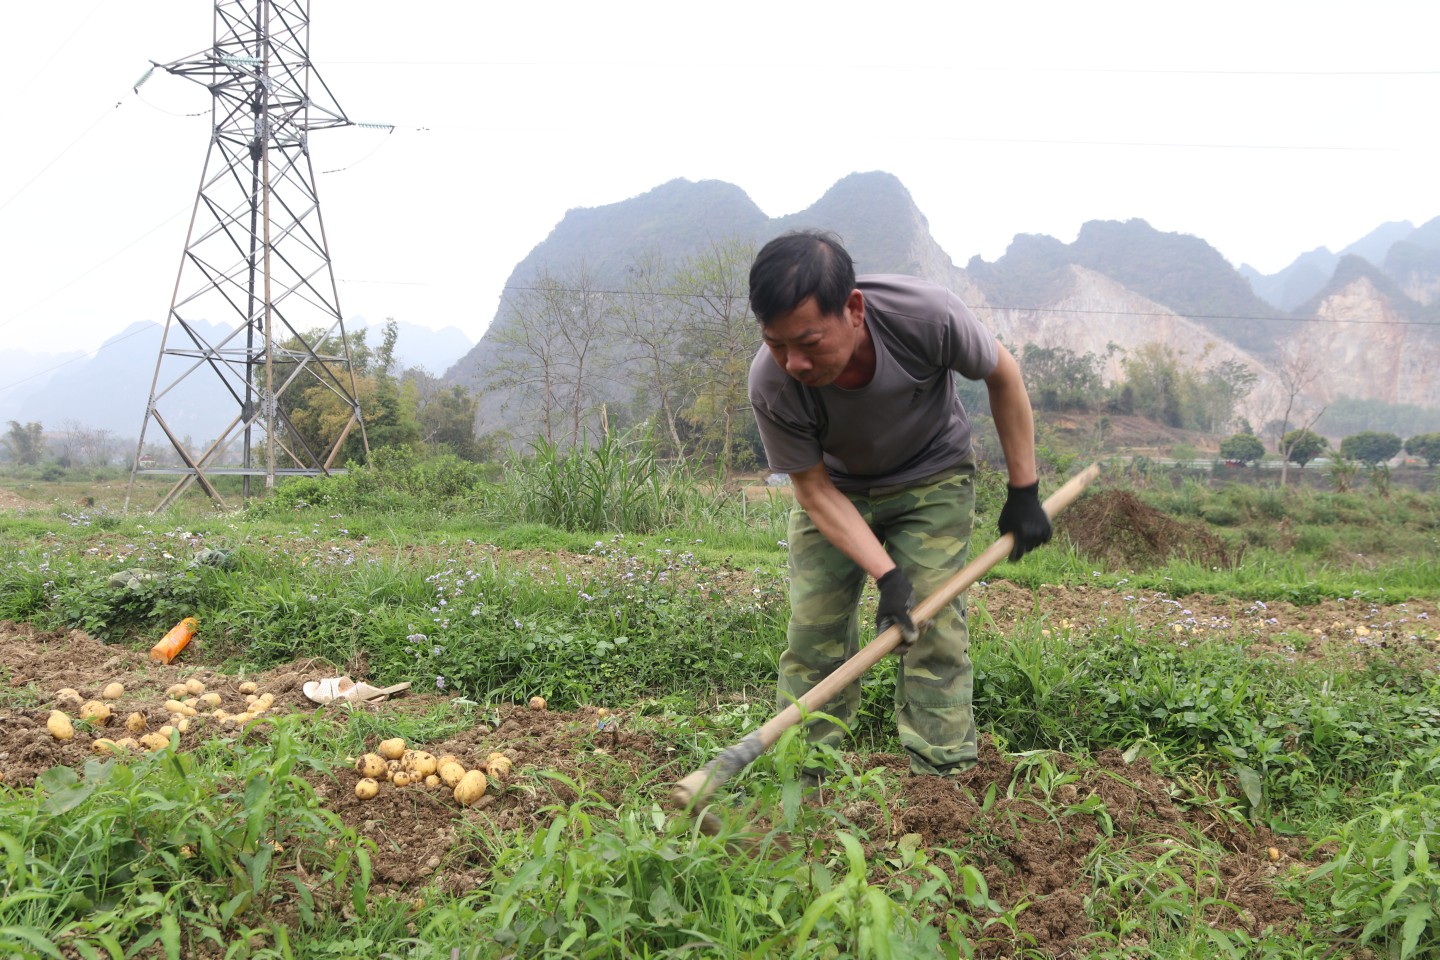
(1267, 128)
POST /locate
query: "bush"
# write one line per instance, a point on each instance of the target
(1243, 448)
(1370, 447)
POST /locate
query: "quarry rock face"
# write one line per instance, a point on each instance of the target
(1367, 350)
(1099, 316)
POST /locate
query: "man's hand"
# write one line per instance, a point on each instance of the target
(1023, 516)
(897, 596)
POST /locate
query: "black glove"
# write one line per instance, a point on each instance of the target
(1023, 516)
(897, 596)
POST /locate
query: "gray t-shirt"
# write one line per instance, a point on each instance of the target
(907, 423)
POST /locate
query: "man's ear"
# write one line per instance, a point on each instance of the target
(855, 308)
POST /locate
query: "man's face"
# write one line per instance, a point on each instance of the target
(814, 348)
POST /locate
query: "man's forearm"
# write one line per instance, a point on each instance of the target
(839, 522)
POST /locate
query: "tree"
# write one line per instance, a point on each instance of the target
(1218, 394)
(720, 339)
(1153, 376)
(1370, 447)
(1243, 448)
(647, 318)
(25, 443)
(1301, 446)
(77, 445)
(1060, 379)
(1426, 446)
(552, 334)
(444, 414)
(1299, 367)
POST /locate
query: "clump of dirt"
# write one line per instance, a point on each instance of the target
(1117, 528)
(1028, 856)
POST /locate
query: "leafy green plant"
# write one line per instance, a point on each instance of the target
(1385, 882)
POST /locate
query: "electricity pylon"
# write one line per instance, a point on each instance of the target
(255, 254)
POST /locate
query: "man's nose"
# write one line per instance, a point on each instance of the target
(797, 362)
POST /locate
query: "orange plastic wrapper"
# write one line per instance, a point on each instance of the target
(173, 642)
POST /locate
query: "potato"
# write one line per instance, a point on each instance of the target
(247, 687)
(67, 692)
(112, 691)
(448, 758)
(210, 701)
(470, 788)
(392, 767)
(421, 763)
(366, 789)
(174, 706)
(371, 765)
(194, 686)
(451, 773)
(127, 743)
(176, 691)
(102, 745)
(184, 725)
(499, 765)
(154, 742)
(191, 701)
(251, 698)
(135, 723)
(537, 703)
(432, 781)
(401, 778)
(392, 749)
(165, 731)
(60, 726)
(96, 711)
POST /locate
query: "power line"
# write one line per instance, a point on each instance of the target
(41, 69)
(80, 276)
(992, 307)
(65, 363)
(712, 65)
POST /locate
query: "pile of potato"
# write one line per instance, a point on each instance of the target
(394, 762)
(187, 705)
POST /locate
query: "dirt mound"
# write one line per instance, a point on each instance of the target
(13, 501)
(1057, 864)
(1116, 528)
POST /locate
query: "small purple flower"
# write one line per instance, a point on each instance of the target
(439, 683)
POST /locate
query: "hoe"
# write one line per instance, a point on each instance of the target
(692, 792)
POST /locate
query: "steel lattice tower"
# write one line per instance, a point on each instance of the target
(256, 253)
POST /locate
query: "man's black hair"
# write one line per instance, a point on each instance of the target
(794, 266)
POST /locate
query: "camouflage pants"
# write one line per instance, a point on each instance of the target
(926, 529)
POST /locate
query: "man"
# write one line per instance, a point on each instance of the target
(854, 397)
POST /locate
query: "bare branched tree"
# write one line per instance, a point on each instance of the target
(552, 335)
(1298, 370)
(647, 316)
(721, 339)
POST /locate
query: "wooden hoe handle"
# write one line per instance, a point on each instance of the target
(698, 786)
